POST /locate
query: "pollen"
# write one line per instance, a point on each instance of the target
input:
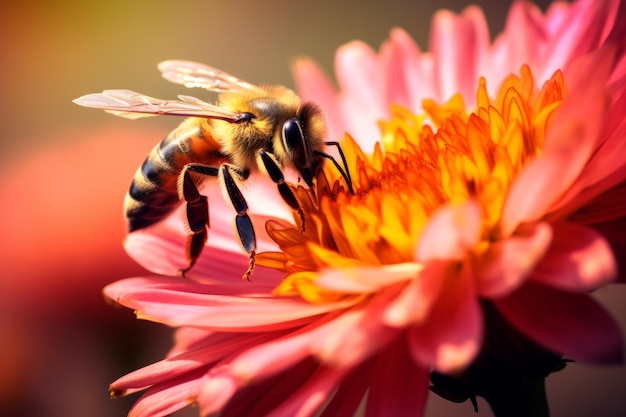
(446, 155)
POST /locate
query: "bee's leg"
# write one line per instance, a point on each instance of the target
(276, 174)
(345, 173)
(243, 224)
(197, 210)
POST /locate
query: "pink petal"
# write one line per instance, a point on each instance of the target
(570, 141)
(262, 399)
(350, 392)
(168, 397)
(364, 279)
(588, 26)
(508, 262)
(452, 335)
(264, 360)
(312, 395)
(556, 16)
(459, 44)
(313, 85)
(408, 71)
(162, 252)
(186, 338)
(216, 391)
(579, 260)
(450, 233)
(605, 168)
(525, 36)
(360, 78)
(570, 324)
(413, 304)
(399, 386)
(608, 206)
(618, 31)
(214, 307)
(354, 336)
(613, 231)
(604, 171)
(213, 348)
(181, 287)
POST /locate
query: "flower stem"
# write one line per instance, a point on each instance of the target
(525, 397)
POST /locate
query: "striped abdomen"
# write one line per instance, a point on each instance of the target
(153, 194)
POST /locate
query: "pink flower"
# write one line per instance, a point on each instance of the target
(482, 172)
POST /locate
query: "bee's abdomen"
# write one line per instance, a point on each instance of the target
(153, 193)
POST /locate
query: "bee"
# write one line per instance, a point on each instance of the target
(252, 130)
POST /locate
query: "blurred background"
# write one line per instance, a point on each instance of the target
(64, 171)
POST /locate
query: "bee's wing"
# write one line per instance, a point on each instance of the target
(133, 105)
(196, 75)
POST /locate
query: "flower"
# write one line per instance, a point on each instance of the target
(482, 173)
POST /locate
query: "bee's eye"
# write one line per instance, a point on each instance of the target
(293, 137)
(294, 141)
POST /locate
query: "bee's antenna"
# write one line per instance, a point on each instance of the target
(345, 172)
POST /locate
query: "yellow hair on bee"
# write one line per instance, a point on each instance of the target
(270, 107)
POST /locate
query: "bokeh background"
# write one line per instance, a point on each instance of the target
(64, 171)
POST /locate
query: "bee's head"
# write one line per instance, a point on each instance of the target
(302, 136)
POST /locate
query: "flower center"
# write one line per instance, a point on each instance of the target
(447, 155)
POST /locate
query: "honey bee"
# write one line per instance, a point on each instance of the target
(253, 129)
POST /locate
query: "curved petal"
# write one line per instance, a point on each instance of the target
(141, 286)
(509, 262)
(264, 360)
(355, 335)
(579, 260)
(365, 279)
(215, 392)
(523, 39)
(312, 84)
(409, 74)
(452, 335)
(605, 169)
(613, 231)
(186, 338)
(357, 65)
(214, 348)
(413, 304)
(312, 395)
(570, 141)
(161, 250)
(399, 386)
(589, 24)
(214, 307)
(262, 399)
(556, 16)
(570, 324)
(459, 45)
(166, 398)
(350, 392)
(450, 233)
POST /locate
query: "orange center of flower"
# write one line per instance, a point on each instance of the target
(448, 155)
